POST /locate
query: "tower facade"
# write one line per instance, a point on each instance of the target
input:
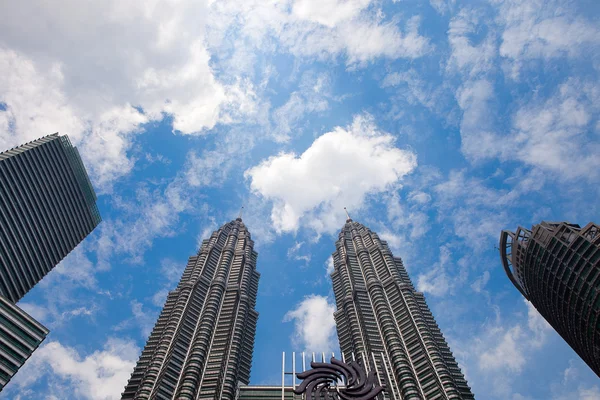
(47, 207)
(385, 323)
(201, 346)
(556, 266)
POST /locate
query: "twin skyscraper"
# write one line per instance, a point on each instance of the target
(201, 346)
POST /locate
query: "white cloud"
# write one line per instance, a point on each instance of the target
(328, 12)
(98, 71)
(314, 326)
(436, 280)
(548, 133)
(100, 375)
(545, 133)
(414, 218)
(329, 267)
(480, 282)
(514, 345)
(293, 253)
(154, 213)
(338, 170)
(319, 29)
(313, 97)
(419, 197)
(540, 29)
(212, 167)
(571, 388)
(506, 353)
(467, 57)
(538, 325)
(477, 129)
(141, 319)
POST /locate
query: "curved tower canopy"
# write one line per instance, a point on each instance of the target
(385, 323)
(556, 266)
(201, 346)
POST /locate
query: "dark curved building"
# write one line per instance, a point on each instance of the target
(556, 266)
(201, 346)
(385, 323)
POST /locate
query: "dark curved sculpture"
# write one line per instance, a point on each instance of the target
(320, 382)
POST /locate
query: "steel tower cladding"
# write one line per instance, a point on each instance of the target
(383, 321)
(47, 206)
(556, 266)
(201, 346)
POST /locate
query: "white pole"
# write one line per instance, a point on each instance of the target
(294, 369)
(283, 375)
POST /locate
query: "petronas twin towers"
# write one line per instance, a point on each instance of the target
(201, 346)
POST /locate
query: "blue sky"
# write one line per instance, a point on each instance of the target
(437, 123)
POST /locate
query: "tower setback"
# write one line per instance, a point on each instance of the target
(385, 323)
(556, 266)
(201, 346)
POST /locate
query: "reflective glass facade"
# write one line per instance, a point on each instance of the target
(20, 335)
(47, 207)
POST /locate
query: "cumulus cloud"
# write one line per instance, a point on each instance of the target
(338, 170)
(96, 376)
(97, 72)
(314, 326)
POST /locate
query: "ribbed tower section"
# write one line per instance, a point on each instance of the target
(47, 206)
(382, 320)
(201, 346)
(556, 266)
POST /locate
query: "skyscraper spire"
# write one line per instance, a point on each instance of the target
(385, 323)
(347, 215)
(240, 214)
(201, 346)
